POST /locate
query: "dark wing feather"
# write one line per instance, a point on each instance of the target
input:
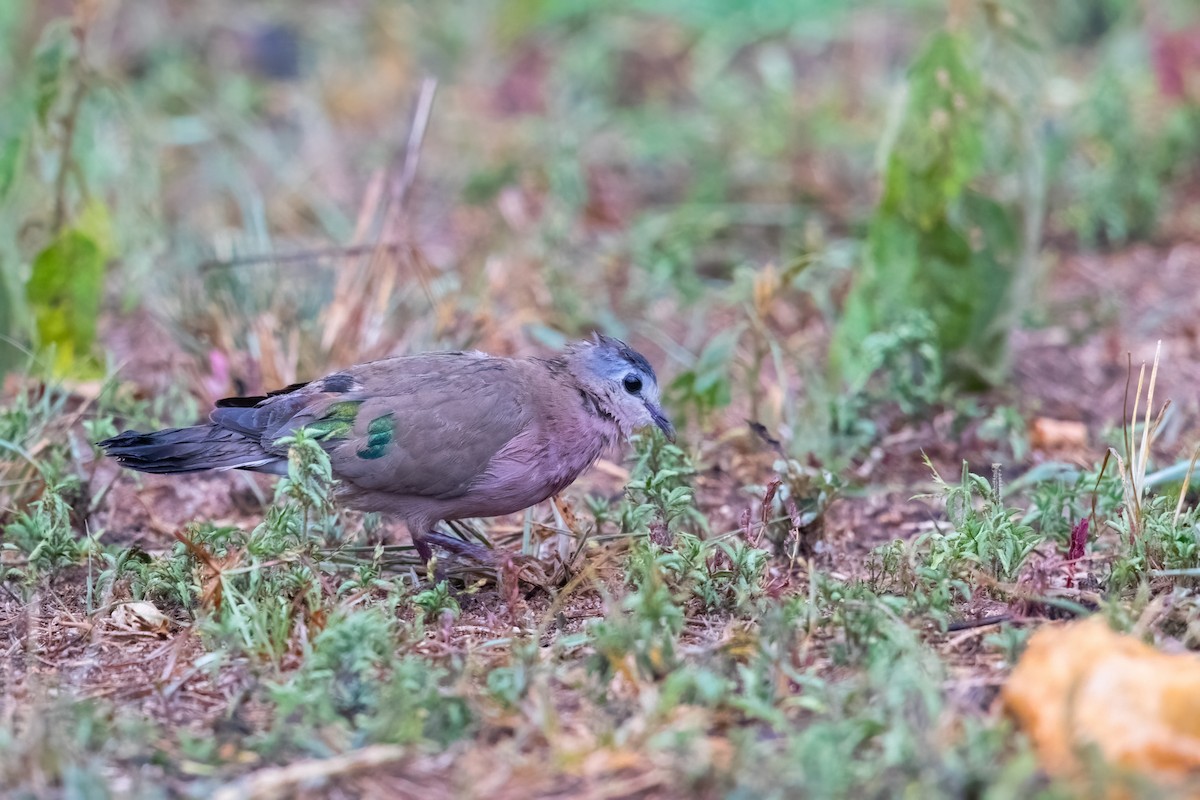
(445, 415)
(423, 426)
(448, 415)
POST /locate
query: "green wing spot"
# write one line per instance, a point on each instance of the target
(379, 436)
(329, 429)
(346, 410)
(337, 422)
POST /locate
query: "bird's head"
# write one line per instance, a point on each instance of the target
(622, 381)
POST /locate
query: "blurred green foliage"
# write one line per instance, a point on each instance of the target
(1120, 167)
(941, 244)
(62, 150)
(66, 287)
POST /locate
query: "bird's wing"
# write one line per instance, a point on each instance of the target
(422, 425)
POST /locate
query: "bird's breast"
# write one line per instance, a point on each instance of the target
(535, 466)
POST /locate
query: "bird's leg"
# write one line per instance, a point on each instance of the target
(455, 548)
(484, 556)
(424, 549)
(527, 569)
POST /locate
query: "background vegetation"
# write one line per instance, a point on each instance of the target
(877, 249)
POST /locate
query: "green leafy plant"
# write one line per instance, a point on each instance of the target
(705, 387)
(1165, 544)
(309, 484)
(343, 676)
(259, 583)
(863, 620)
(43, 533)
(940, 243)
(419, 703)
(722, 574)
(1116, 167)
(985, 534)
(436, 601)
(1056, 504)
(66, 286)
(644, 635)
(661, 489)
(55, 302)
(904, 569)
(166, 580)
(509, 684)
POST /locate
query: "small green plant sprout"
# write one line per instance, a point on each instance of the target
(722, 573)
(1117, 168)
(706, 387)
(794, 506)
(43, 533)
(663, 498)
(907, 359)
(309, 483)
(341, 677)
(643, 639)
(986, 534)
(437, 601)
(309, 476)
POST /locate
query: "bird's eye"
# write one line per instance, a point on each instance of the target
(633, 384)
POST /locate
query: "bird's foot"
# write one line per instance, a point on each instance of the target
(499, 563)
(461, 547)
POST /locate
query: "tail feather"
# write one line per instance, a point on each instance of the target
(192, 449)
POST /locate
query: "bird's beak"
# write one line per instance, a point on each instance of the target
(660, 419)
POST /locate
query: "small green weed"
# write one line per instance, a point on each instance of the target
(43, 533)
(663, 499)
(985, 533)
(1166, 541)
(436, 601)
(1117, 167)
(418, 703)
(724, 574)
(341, 678)
(647, 629)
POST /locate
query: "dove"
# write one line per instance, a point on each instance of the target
(432, 437)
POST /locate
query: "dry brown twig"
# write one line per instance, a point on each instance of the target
(285, 781)
(1132, 467)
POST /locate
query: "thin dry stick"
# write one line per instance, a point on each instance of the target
(1129, 469)
(1187, 479)
(1147, 428)
(412, 149)
(364, 291)
(390, 215)
(1125, 405)
(301, 256)
(1096, 488)
(284, 781)
(66, 163)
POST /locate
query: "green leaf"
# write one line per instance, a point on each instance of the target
(12, 158)
(939, 148)
(11, 327)
(65, 290)
(49, 64)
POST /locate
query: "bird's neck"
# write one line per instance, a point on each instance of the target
(598, 421)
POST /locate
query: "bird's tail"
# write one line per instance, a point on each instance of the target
(192, 449)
